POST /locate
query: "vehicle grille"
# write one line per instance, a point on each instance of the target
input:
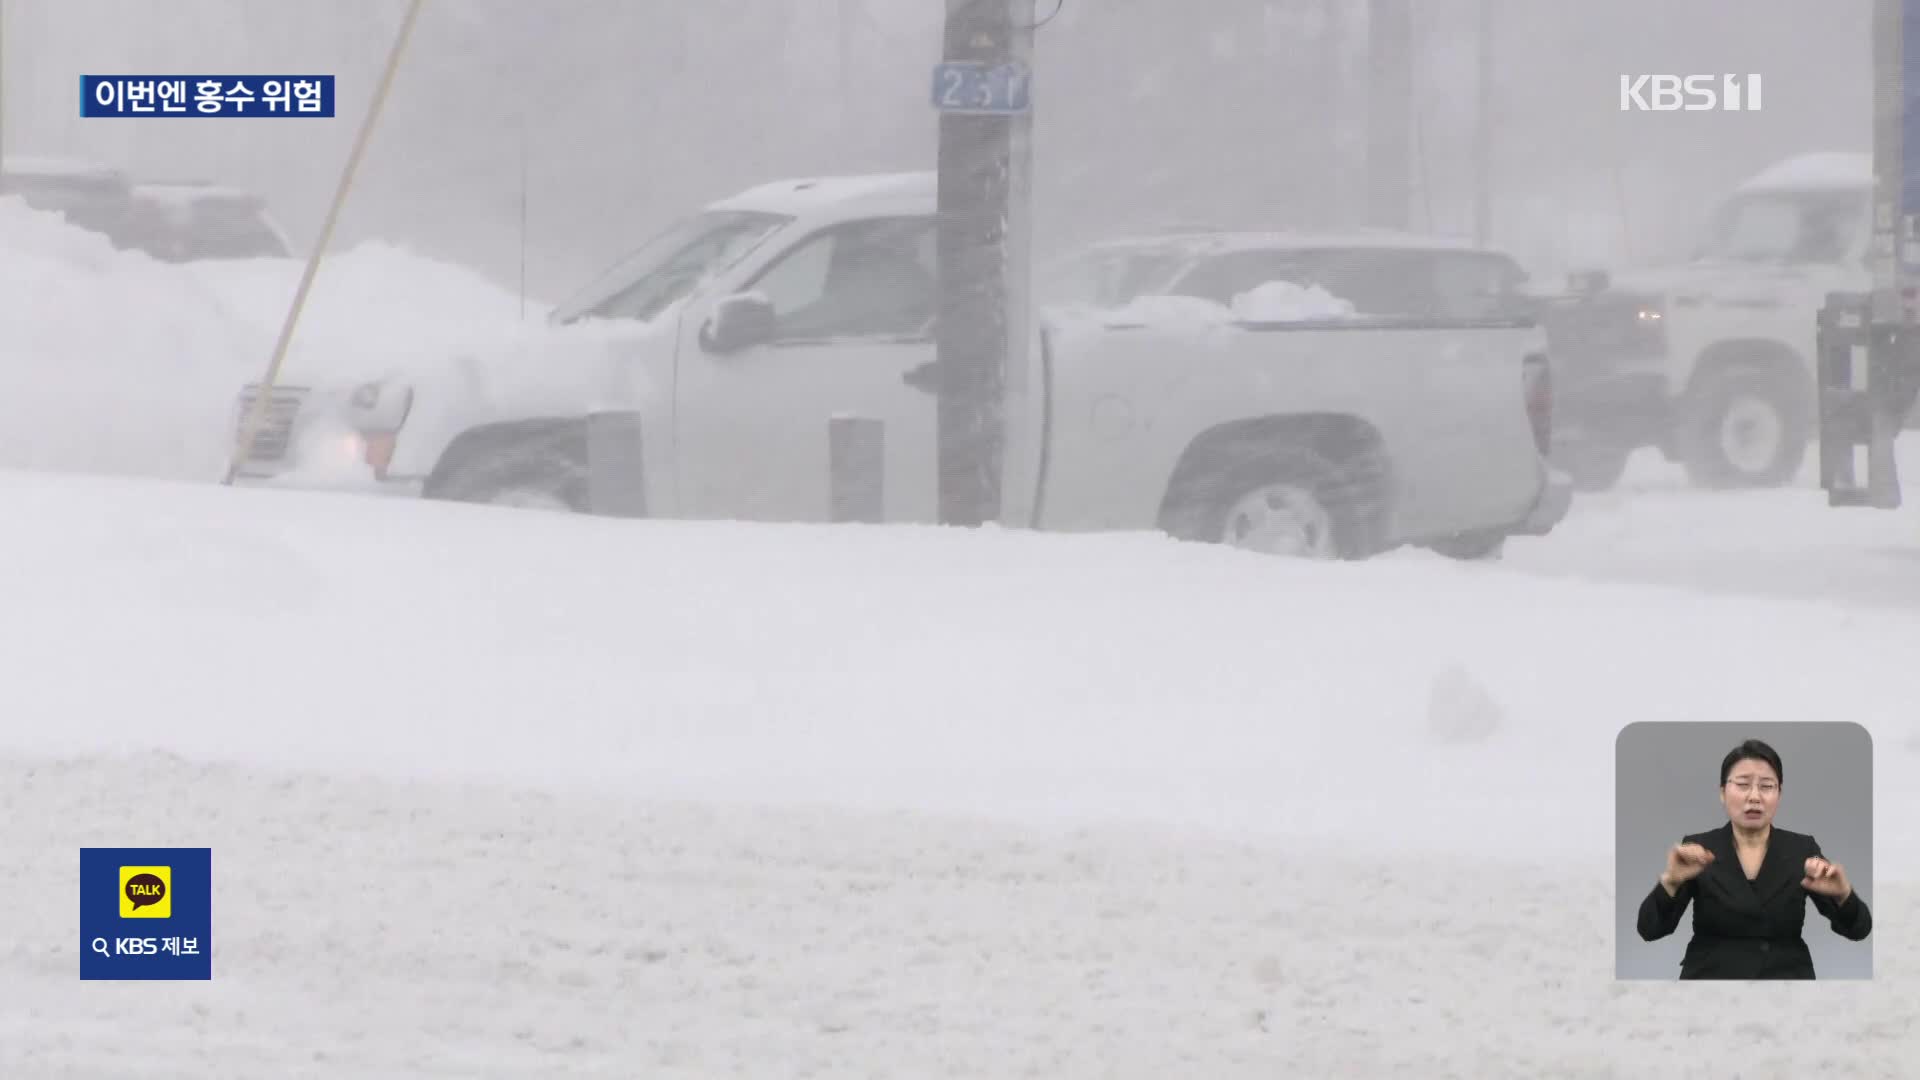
(1592, 336)
(274, 436)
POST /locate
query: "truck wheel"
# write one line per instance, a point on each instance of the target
(1276, 501)
(1593, 467)
(1745, 429)
(527, 483)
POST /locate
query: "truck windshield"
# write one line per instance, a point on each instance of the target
(671, 265)
(1789, 227)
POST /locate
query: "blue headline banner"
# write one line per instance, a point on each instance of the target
(206, 95)
(146, 913)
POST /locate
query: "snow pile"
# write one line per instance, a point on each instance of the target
(1461, 710)
(371, 310)
(1286, 301)
(109, 360)
(114, 362)
(1273, 302)
(1194, 319)
(737, 775)
(1109, 678)
(1160, 312)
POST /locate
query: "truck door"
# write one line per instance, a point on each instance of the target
(853, 307)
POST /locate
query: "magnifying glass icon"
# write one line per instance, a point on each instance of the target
(100, 946)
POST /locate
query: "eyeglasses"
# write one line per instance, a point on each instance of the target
(1744, 786)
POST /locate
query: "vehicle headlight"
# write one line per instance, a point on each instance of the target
(380, 406)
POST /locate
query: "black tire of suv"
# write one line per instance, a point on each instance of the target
(1698, 439)
(488, 480)
(1200, 511)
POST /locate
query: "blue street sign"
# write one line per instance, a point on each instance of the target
(982, 89)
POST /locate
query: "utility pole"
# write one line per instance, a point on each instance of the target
(1329, 75)
(1389, 112)
(974, 325)
(1890, 206)
(3, 82)
(845, 31)
(1483, 128)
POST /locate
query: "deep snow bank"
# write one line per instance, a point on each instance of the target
(1405, 703)
(112, 361)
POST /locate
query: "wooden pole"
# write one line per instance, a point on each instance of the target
(250, 425)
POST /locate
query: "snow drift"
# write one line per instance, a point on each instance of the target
(115, 362)
(696, 799)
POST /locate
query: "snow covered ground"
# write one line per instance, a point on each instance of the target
(499, 793)
(505, 793)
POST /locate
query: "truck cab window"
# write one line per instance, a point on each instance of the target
(867, 279)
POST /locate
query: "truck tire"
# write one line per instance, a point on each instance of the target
(1276, 500)
(535, 482)
(1744, 428)
(1593, 467)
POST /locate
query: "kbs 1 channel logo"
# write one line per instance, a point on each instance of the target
(146, 913)
(206, 95)
(1690, 93)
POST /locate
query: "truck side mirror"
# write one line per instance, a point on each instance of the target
(740, 322)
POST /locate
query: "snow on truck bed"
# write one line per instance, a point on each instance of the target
(682, 799)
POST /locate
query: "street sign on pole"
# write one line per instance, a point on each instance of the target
(980, 89)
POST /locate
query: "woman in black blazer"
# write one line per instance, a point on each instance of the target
(1749, 884)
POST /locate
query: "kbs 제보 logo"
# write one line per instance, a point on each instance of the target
(146, 913)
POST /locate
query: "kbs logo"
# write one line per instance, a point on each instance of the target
(1689, 93)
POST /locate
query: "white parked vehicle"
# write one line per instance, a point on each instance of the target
(1412, 411)
(1713, 361)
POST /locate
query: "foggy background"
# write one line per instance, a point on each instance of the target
(627, 113)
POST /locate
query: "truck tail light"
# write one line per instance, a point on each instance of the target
(1537, 377)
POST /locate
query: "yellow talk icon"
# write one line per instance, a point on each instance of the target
(146, 892)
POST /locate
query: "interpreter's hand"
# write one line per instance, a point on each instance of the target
(1827, 879)
(1684, 863)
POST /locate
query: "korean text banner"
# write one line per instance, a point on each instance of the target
(206, 95)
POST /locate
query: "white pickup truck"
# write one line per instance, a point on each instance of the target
(1413, 411)
(1712, 360)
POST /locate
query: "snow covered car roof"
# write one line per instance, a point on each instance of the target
(61, 178)
(901, 193)
(1814, 172)
(187, 192)
(53, 168)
